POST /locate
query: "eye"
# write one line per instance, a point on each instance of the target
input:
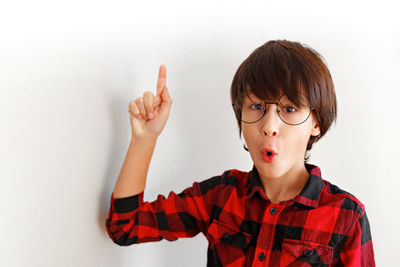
(257, 106)
(289, 109)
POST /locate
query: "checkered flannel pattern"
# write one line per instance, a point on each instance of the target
(322, 226)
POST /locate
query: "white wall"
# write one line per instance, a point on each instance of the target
(69, 69)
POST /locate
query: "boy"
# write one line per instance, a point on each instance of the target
(281, 213)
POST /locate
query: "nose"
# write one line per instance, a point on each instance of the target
(271, 121)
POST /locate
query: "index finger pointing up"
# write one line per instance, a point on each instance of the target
(162, 79)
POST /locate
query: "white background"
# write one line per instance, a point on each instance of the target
(69, 69)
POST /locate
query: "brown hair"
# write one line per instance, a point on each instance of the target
(283, 67)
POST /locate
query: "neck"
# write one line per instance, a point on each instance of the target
(287, 186)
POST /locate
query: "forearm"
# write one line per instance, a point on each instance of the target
(132, 178)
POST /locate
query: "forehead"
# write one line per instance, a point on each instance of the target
(252, 97)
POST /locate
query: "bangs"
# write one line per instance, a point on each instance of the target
(278, 72)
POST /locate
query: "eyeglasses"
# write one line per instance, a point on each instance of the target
(252, 111)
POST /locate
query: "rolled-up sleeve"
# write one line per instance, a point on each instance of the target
(130, 220)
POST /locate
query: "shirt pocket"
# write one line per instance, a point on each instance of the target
(298, 253)
(224, 235)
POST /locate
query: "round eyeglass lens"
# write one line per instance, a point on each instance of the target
(253, 110)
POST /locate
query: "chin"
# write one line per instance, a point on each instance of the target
(271, 170)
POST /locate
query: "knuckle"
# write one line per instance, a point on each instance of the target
(132, 104)
(134, 110)
(140, 106)
(148, 106)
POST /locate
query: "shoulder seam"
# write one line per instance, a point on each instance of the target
(345, 194)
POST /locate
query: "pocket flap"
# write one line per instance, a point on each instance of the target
(229, 235)
(308, 251)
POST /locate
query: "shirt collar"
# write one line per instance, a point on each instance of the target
(309, 196)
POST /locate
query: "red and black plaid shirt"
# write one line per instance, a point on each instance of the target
(322, 226)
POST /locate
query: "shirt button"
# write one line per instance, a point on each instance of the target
(225, 236)
(308, 253)
(272, 210)
(261, 256)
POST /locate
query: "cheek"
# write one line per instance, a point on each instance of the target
(251, 141)
(299, 139)
(246, 135)
(251, 137)
(246, 131)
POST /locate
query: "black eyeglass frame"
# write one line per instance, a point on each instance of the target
(278, 111)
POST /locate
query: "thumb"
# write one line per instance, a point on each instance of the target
(166, 101)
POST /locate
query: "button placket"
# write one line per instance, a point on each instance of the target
(269, 217)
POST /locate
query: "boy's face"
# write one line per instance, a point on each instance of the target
(289, 141)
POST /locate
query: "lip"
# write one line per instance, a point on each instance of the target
(269, 159)
(268, 149)
(265, 157)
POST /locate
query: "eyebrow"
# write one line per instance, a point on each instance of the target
(247, 98)
(254, 98)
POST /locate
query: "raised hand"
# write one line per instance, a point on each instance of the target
(149, 114)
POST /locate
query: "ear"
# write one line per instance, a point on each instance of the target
(316, 130)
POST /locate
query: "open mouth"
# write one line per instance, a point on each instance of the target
(269, 155)
(269, 152)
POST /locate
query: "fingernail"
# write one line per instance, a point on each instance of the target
(150, 115)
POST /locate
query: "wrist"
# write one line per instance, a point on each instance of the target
(148, 139)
